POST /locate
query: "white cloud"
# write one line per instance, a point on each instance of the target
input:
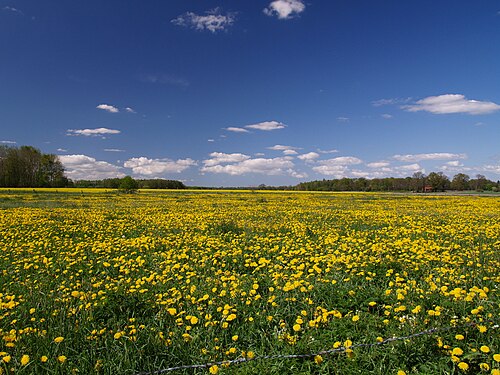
(13, 10)
(274, 166)
(415, 167)
(108, 108)
(157, 167)
(61, 150)
(130, 110)
(285, 9)
(236, 130)
(282, 148)
(378, 164)
(8, 142)
(386, 116)
(310, 156)
(210, 140)
(341, 160)
(266, 125)
(333, 151)
(343, 119)
(83, 167)
(454, 163)
(382, 102)
(213, 20)
(217, 158)
(430, 156)
(290, 152)
(336, 167)
(452, 103)
(491, 168)
(113, 150)
(98, 132)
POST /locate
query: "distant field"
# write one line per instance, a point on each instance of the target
(92, 281)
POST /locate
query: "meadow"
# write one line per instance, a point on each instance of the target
(97, 282)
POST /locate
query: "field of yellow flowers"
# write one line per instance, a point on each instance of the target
(100, 282)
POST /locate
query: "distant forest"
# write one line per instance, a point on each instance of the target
(27, 166)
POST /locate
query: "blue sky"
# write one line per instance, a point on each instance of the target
(231, 93)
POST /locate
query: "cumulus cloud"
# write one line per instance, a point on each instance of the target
(83, 167)
(130, 110)
(274, 166)
(157, 167)
(333, 151)
(282, 148)
(290, 152)
(310, 156)
(430, 156)
(452, 103)
(236, 129)
(378, 164)
(336, 167)
(266, 125)
(213, 20)
(108, 108)
(285, 9)
(239, 164)
(98, 132)
(217, 158)
(8, 142)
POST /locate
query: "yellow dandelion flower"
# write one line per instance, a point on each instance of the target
(25, 359)
(296, 327)
(485, 349)
(484, 366)
(59, 339)
(457, 351)
(62, 358)
(459, 337)
(250, 355)
(44, 358)
(401, 372)
(496, 357)
(6, 359)
(318, 359)
(463, 366)
(214, 369)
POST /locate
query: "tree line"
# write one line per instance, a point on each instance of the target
(26, 166)
(118, 183)
(419, 182)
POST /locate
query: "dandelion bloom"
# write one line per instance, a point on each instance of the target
(214, 369)
(401, 372)
(44, 358)
(457, 351)
(318, 359)
(59, 339)
(484, 349)
(25, 359)
(463, 366)
(62, 358)
(496, 357)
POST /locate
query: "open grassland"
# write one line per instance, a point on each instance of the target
(97, 282)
